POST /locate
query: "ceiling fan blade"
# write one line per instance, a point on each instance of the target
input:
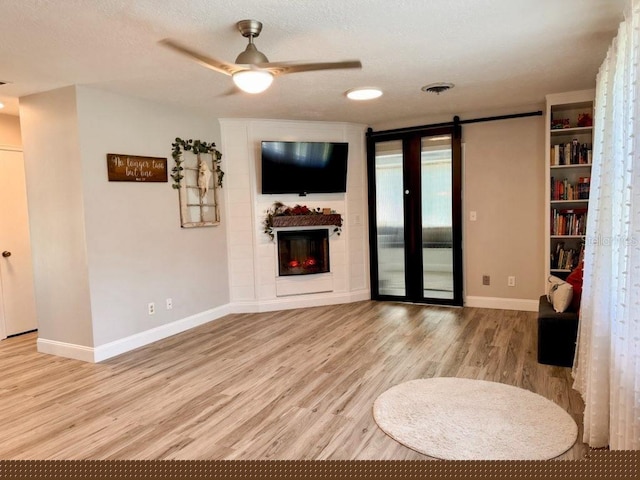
(204, 60)
(282, 68)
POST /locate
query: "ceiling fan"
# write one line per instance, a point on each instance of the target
(252, 72)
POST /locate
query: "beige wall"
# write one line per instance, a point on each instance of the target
(10, 130)
(504, 184)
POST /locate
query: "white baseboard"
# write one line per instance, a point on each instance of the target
(300, 301)
(287, 303)
(141, 339)
(67, 350)
(123, 345)
(502, 303)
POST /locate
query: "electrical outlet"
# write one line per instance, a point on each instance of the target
(511, 281)
(473, 216)
(151, 307)
(486, 280)
(169, 304)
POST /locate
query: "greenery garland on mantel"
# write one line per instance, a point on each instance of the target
(279, 209)
(197, 147)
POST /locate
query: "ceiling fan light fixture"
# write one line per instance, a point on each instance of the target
(252, 72)
(363, 93)
(251, 56)
(253, 81)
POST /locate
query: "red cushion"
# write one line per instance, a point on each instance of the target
(575, 279)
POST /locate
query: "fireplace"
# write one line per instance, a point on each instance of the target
(303, 252)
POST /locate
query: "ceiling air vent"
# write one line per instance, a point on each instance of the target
(437, 88)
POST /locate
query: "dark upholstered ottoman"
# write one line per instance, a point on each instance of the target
(557, 334)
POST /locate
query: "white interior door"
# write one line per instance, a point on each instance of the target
(17, 299)
(3, 332)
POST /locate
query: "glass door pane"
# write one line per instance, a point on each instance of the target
(390, 218)
(437, 231)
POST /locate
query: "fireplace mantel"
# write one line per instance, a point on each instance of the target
(306, 220)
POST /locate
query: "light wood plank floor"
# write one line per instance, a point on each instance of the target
(296, 384)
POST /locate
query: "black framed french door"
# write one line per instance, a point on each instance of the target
(415, 214)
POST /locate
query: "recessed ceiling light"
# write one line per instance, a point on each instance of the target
(1, 105)
(437, 88)
(364, 93)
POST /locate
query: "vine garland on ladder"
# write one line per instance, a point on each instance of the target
(197, 147)
(197, 180)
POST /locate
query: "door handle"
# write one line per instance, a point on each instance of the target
(6, 254)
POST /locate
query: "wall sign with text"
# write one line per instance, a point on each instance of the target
(131, 168)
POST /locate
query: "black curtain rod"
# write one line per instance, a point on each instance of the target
(456, 121)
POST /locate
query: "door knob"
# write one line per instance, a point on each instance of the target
(6, 254)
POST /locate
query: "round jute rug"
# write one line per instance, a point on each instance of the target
(464, 419)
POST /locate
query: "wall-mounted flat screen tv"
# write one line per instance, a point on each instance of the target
(304, 167)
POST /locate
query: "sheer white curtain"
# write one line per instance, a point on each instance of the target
(607, 366)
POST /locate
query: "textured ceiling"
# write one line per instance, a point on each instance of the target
(500, 54)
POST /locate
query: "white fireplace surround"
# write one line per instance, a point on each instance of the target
(253, 264)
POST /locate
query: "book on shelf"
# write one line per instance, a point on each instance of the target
(565, 190)
(574, 155)
(569, 221)
(584, 184)
(571, 153)
(566, 258)
(555, 154)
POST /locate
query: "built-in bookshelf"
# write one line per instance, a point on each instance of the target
(569, 147)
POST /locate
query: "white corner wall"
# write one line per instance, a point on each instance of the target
(104, 250)
(55, 194)
(252, 254)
